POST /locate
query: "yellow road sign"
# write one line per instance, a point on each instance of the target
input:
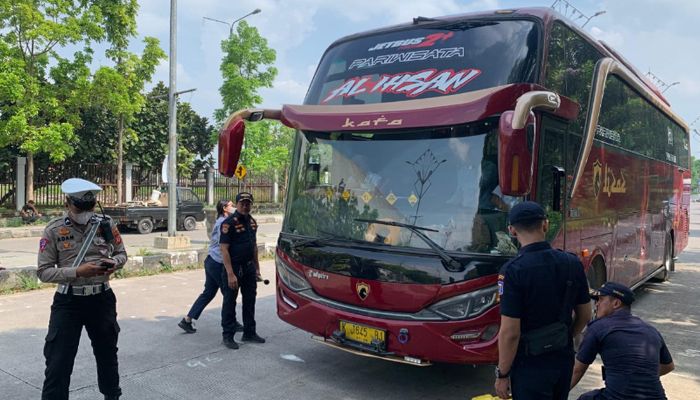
(240, 172)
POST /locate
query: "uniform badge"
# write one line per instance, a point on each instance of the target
(42, 244)
(67, 245)
(117, 236)
(500, 285)
(224, 228)
(64, 231)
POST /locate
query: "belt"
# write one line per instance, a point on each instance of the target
(84, 290)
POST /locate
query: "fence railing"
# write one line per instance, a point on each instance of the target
(47, 184)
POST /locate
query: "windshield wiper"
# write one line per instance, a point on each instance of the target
(330, 236)
(449, 262)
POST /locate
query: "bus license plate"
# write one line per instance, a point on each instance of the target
(362, 333)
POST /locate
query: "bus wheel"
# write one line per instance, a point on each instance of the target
(596, 273)
(668, 265)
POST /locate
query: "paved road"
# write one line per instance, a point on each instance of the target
(159, 362)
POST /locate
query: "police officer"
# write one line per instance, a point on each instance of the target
(79, 251)
(239, 251)
(633, 352)
(538, 289)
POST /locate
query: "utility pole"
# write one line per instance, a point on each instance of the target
(172, 124)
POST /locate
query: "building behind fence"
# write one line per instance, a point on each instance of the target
(139, 184)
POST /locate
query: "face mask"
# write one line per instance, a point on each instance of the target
(82, 218)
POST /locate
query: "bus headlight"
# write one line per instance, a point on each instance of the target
(290, 277)
(467, 305)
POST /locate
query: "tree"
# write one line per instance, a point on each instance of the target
(119, 88)
(149, 143)
(41, 90)
(695, 173)
(268, 147)
(246, 67)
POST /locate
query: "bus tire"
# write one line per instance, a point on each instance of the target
(669, 263)
(596, 273)
(145, 226)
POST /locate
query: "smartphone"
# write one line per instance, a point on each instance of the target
(106, 265)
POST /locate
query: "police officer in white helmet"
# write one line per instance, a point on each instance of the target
(79, 251)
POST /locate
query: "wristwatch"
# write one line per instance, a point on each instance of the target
(501, 375)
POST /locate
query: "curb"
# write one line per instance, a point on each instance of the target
(22, 277)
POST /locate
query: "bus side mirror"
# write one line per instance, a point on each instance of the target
(230, 145)
(515, 155)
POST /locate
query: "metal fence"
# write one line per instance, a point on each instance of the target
(48, 179)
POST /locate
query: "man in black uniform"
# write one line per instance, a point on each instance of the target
(539, 289)
(239, 251)
(633, 352)
(79, 251)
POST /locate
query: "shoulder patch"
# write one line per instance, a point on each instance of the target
(42, 244)
(224, 228)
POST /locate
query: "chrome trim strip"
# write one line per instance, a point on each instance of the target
(532, 100)
(311, 295)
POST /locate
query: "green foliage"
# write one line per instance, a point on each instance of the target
(695, 173)
(41, 90)
(268, 146)
(148, 142)
(246, 67)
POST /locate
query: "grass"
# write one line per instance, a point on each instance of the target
(144, 252)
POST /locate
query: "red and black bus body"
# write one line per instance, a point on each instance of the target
(413, 143)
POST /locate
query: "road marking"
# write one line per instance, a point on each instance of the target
(291, 357)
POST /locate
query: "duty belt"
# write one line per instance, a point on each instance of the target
(84, 290)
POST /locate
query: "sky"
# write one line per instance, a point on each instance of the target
(660, 36)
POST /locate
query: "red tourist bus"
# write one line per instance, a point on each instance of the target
(415, 140)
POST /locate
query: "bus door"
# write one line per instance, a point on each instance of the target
(556, 152)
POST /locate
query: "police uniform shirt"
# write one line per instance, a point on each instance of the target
(240, 233)
(60, 245)
(532, 286)
(631, 351)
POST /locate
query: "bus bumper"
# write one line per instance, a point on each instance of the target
(472, 341)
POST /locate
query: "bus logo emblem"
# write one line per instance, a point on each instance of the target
(363, 290)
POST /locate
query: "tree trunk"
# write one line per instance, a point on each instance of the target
(29, 194)
(120, 161)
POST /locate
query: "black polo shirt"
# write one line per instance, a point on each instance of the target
(631, 351)
(532, 287)
(240, 233)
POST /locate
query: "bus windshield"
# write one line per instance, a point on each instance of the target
(427, 62)
(444, 179)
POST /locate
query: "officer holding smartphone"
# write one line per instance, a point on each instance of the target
(79, 251)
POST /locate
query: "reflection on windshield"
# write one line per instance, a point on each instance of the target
(445, 179)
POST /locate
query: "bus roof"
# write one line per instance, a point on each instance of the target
(545, 14)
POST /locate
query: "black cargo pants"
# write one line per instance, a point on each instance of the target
(69, 313)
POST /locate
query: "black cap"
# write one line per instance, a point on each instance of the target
(527, 211)
(244, 196)
(614, 289)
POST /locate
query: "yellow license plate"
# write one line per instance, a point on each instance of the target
(362, 333)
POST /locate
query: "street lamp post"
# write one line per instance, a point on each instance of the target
(230, 29)
(669, 86)
(172, 124)
(591, 17)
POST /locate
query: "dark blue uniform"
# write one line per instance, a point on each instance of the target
(532, 289)
(240, 233)
(631, 351)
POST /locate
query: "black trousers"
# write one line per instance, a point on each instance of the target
(98, 314)
(248, 285)
(538, 381)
